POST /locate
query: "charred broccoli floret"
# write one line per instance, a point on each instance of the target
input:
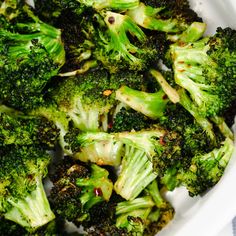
(77, 189)
(31, 54)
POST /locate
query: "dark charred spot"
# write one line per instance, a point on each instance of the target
(111, 20)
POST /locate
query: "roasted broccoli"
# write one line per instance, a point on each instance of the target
(23, 130)
(171, 17)
(77, 189)
(206, 69)
(88, 99)
(31, 54)
(23, 199)
(206, 169)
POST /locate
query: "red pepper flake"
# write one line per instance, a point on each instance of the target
(162, 141)
(110, 125)
(98, 192)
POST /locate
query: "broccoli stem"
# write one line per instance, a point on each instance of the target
(33, 211)
(150, 104)
(136, 173)
(223, 127)
(193, 33)
(133, 215)
(153, 190)
(147, 17)
(137, 203)
(114, 4)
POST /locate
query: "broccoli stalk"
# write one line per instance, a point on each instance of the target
(112, 4)
(22, 196)
(143, 158)
(100, 148)
(146, 16)
(133, 214)
(33, 211)
(152, 18)
(136, 173)
(150, 104)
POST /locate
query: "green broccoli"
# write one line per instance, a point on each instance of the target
(77, 189)
(96, 147)
(88, 99)
(206, 69)
(31, 54)
(22, 195)
(25, 130)
(171, 17)
(128, 119)
(150, 104)
(145, 215)
(147, 154)
(206, 169)
(49, 110)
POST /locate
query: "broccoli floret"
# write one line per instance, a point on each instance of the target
(206, 169)
(161, 216)
(145, 215)
(22, 196)
(129, 119)
(31, 54)
(133, 214)
(78, 189)
(206, 69)
(169, 17)
(50, 111)
(25, 130)
(88, 99)
(97, 147)
(147, 154)
(180, 96)
(150, 104)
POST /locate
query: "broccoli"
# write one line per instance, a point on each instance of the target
(58, 118)
(23, 199)
(111, 39)
(25, 130)
(145, 215)
(9, 228)
(206, 69)
(163, 213)
(111, 4)
(77, 189)
(88, 99)
(128, 119)
(133, 214)
(169, 17)
(149, 104)
(31, 54)
(206, 169)
(147, 154)
(179, 95)
(97, 147)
